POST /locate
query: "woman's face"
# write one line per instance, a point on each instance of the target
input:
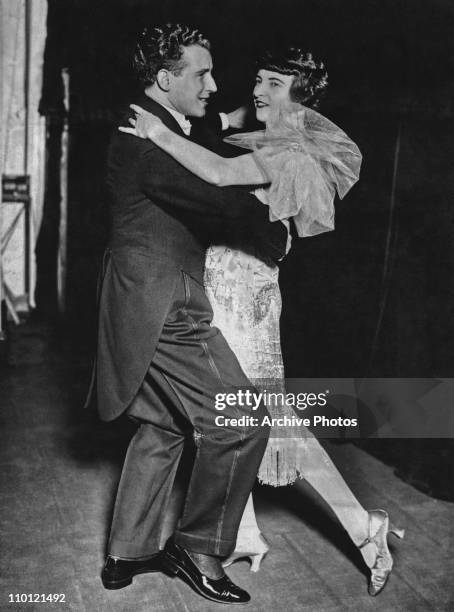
(271, 90)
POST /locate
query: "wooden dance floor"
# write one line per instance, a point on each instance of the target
(59, 468)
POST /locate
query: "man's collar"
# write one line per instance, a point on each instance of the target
(168, 116)
(184, 123)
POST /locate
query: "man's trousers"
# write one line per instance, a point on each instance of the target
(191, 367)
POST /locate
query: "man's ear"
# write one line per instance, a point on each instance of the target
(162, 80)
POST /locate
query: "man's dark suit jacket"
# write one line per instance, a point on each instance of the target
(163, 218)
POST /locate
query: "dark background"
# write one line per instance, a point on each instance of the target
(374, 297)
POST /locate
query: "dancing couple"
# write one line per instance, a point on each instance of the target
(189, 307)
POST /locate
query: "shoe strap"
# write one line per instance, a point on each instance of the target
(370, 537)
(367, 539)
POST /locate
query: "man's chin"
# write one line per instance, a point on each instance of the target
(201, 111)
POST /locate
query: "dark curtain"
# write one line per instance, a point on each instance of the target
(375, 295)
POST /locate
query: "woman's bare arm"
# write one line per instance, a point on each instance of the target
(209, 166)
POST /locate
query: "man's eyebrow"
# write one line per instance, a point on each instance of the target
(203, 70)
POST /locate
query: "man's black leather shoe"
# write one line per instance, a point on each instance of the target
(118, 573)
(177, 562)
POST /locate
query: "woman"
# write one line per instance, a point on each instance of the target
(301, 159)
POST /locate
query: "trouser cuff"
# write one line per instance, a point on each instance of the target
(205, 545)
(129, 550)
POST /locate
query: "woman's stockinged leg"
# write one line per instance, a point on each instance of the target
(250, 542)
(320, 472)
(368, 530)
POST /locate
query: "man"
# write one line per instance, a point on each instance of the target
(159, 360)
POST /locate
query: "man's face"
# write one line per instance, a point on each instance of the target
(272, 90)
(189, 91)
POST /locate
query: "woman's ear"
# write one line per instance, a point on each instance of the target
(162, 80)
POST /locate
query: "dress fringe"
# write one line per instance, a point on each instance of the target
(281, 460)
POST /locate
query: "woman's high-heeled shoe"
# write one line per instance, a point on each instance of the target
(380, 571)
(260, 549)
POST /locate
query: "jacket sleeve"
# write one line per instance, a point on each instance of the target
(171, 186)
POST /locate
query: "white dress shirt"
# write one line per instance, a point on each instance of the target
(184, 123)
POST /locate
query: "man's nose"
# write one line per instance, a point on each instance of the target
(211, 84)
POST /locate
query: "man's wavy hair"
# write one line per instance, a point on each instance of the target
(311, 77)
(162, 47)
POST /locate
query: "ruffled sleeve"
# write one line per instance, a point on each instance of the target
(307, 159)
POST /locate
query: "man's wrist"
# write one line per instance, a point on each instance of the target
(157, 133)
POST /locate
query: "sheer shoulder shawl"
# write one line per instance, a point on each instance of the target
(307, 159)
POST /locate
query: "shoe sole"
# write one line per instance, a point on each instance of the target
(113, 585)
(174, 569)
(117, 584)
